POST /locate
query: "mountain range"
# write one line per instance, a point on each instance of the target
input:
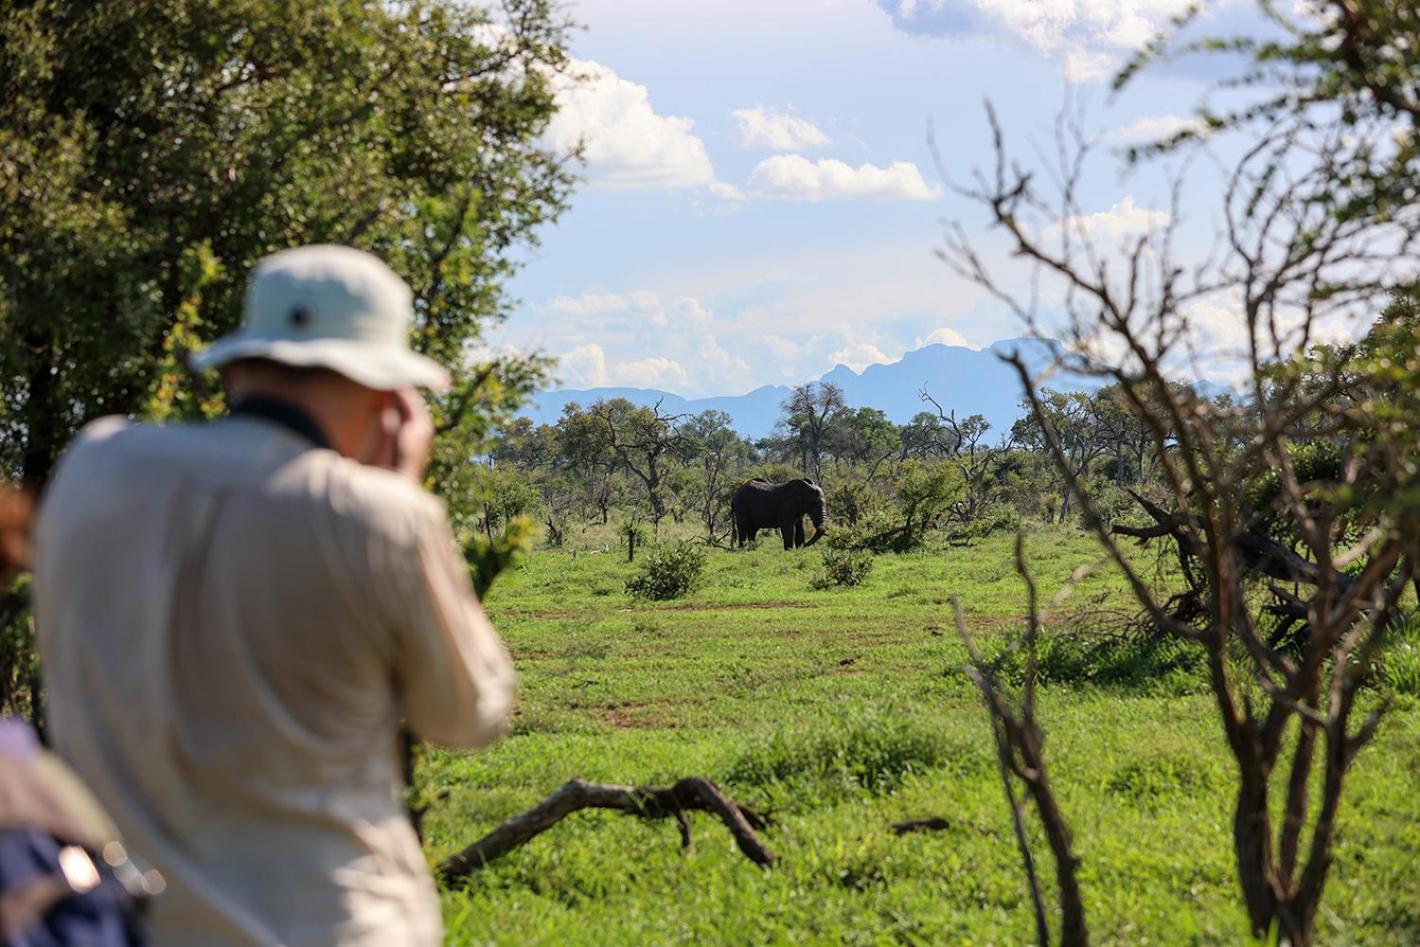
(967, 381)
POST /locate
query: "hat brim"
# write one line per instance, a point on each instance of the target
(382, 367)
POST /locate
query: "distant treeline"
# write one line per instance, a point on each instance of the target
(614, 460)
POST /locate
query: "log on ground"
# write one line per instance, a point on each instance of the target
(691, 794)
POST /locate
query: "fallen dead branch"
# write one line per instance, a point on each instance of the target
(691, 794)
(934, 824)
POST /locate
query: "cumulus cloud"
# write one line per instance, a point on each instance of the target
(1086, 36)
(587, 366)
(933, 17)
(638, 339)
(583, 366)
(1122, 221)
(636, 310)
(944, 336)
(654, 372)
(627, 143)
(734, 325)
(859, 355)
(794, 177)
(1153, 128)
(777, 131)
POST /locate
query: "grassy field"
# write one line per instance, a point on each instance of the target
(843, 711)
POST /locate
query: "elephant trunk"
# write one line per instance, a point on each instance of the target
(818, 517)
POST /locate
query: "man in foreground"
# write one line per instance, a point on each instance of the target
(236, 619)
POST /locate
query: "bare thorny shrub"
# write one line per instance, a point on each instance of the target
(1291, 573)
(1020, 756)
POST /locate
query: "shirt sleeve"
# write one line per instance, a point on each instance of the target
(455, 677)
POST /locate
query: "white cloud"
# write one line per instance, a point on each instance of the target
(859, 355)
(587, 366)
(582, 367)
(1081, 65)
(640, 339)
(726, 191)
(627, 144)
(1122, 221)
(944, 336)
(654, 372)
(733, 325)
(1153, 128)
(777, 131)
(636, 310)
(1050, 25)
(1088, 37)
(794, 177)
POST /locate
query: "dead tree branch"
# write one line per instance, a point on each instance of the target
(691, 794)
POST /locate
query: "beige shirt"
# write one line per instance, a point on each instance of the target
(233, 625)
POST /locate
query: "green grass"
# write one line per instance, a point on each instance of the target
(843, 711)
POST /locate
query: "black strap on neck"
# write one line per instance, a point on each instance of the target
(285, 414)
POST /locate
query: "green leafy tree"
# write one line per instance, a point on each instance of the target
(584, 450)
(805, 423)
(646, 443)
(861, 436)
(151, 153)
(716, 456)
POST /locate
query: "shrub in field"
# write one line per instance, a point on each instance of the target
(1132, 659)
(844, 568)
(1397, 669)
(668, 571)
(850, 501)
(875, 532)
(488, 556)
(1159, 775)
(869, 748)
(991, 519)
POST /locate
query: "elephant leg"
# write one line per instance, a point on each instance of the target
(798, 533)
(787, 532)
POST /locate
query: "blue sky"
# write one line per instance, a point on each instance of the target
(760, 202)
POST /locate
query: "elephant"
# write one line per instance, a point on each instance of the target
(759, 504)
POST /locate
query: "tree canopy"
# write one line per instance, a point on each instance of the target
(151, 153)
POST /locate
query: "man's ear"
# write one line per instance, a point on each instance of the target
(233, 377)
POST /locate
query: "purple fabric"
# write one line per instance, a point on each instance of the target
(103, 917)
(17, 741)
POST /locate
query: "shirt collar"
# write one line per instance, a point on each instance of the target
(284, 413)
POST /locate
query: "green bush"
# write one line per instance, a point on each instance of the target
(850, 501)
(668, 571)
(1397, 668)
(875, 533)
(844, 568)
(1128, 660)
(488, 557)
(994, 518)
(870, 748)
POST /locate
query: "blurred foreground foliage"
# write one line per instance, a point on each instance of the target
(151, 153)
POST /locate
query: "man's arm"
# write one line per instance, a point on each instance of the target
(455, 677)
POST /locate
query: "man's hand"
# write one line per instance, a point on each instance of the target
(413, 434)
(400, 440)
